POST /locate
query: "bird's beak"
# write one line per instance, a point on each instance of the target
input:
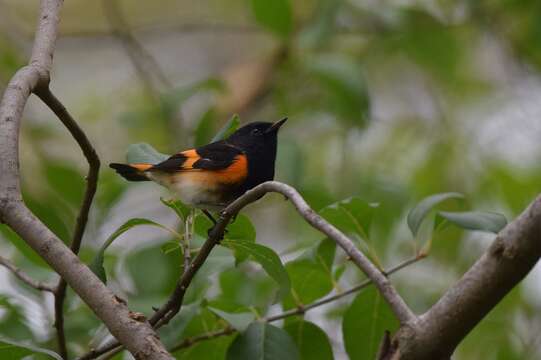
(276, 125)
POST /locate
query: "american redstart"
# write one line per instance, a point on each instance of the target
(210, 177)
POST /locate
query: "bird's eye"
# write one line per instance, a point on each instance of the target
(256, 132)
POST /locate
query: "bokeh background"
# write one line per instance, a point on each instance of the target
(389, 101)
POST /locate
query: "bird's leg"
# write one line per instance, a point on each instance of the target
(214, 222)
(209, 215)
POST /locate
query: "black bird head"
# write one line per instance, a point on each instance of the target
(257, 135)
(259, 141)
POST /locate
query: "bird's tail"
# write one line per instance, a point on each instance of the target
(132, 172)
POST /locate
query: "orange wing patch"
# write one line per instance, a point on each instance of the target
(234, 173)
(141, 166)
(191, 158)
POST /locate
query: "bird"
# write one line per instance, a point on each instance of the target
(212, 176)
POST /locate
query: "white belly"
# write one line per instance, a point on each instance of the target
(192, 188)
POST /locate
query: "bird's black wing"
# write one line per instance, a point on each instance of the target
(214, 156)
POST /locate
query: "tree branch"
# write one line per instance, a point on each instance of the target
(293, 312)
(507, 261)
(24, 277)
(397, 304)
(45, 94)
(135, 334)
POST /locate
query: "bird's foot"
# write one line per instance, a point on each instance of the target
(211, 233)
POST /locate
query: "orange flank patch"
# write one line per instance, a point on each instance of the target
(211, 179)
(141, 166)
(236, 172)
(191, 156)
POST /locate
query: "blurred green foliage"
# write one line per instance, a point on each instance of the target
(362, 165)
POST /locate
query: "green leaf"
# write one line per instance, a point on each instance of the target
(353, 216)
(111, 188)
(476, 220)
(153, 276)
(275, 15)
(13, 323)
(263, 341)
(364, 324)
(322, 27)
(229, 128)
(178, 207)
(205, 128)
(324, 254)
(267, 258)
(246, 287)
(432, 44)
(309, 281)
(419, 212)
(66, 181)
(312, 342)
(241, 229)
(239, 321)
(338, 272)
(97, 263)
(219, 260)
(214, 349)
(170, 246)
(130, 224)
(10, 350)
(174, 331)
(97, 267)
(50, 211)
(201, 226)
(144, 153)
(171, 100)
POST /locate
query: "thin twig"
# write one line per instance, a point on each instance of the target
(335, 297)
(188, 233)
(206, 336)
(93, 160)
(24, 277)
(293, 312)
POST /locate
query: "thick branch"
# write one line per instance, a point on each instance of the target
(507, 261)
(24, 277)
(136, 335)
(45, 94)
